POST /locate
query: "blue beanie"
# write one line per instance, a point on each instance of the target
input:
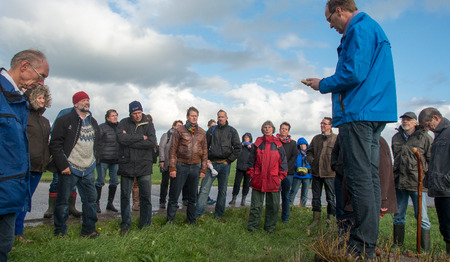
(135, 106)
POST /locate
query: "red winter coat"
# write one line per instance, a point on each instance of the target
(267, 164)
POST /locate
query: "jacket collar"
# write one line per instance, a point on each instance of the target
(444, 124)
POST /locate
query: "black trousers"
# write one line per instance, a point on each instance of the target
(316, 188)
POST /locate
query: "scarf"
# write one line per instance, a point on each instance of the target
(191, 128)
(286, 140)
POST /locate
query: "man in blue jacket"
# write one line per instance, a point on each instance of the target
(29, 68)
(364, 100)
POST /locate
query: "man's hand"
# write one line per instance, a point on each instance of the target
(66, 171)
(313, 83)
(145, 137)
(173, 174)
(226, 163)
(161, 164)
(202, 175)
(123, 131)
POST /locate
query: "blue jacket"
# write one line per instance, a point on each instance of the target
(363, 86)
(301, 159)
(14, 154)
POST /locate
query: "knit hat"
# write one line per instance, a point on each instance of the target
(79, 96)
(135, 106)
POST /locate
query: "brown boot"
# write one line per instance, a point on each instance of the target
(135, 196)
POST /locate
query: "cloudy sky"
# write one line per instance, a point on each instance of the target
(244, 56)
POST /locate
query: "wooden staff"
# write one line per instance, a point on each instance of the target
(419, 198)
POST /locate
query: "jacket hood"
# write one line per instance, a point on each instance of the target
(34, 93)
(249, 135)
(302, 140)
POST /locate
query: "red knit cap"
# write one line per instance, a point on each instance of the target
(79, 96)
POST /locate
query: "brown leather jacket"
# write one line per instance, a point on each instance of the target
(188, 148)
(319, 155)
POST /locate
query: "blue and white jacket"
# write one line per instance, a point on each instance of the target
(301, 160)
(363, 86)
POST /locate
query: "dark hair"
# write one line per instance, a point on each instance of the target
(192, 109)
(221, 111)
(286, 124)
(210, 122)
(329, 119)
(34, 57)
(176, 121)
(348, 5)
(428, 113)
(108, 113)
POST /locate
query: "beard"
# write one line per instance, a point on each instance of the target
(84, 109)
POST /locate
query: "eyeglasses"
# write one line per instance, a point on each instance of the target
(41, 77)
(329, 17)
(324, 124)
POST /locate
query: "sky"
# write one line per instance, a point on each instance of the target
(244, 56)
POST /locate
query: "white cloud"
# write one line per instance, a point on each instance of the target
(293, 41)
(387, 9)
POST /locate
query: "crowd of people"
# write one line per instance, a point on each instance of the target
(354, 167)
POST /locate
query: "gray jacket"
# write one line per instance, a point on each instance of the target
(405, 163)
(164, 147)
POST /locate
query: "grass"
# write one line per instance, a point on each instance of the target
(211, 240)
(156, 176)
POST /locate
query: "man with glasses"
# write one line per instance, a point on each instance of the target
(29, 68)
(364, 100)
(319, 157)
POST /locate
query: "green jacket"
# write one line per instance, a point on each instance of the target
(405, 163)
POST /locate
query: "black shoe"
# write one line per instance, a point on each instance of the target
(111, 207)
(162, 205)
(124, 231)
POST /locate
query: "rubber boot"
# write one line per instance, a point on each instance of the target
(72, 210)
(425, 241)
(243, 200)
(51, 207)
(111, 195)
(233, 200)
(135, 196)
(99, 195)
(316, 219)
(399, 235)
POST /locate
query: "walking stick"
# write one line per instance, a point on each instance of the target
(419, 198)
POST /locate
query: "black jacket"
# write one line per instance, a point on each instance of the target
(223, 143)
(291, 155)
(108, 145)
(136, 153)
(65, 134)
(243, 156)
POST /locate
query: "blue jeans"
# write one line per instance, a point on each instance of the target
(296, 183)
(88, 194)
(285, 188)
(361, 155)
(187, 175)
(20, 216)
(6, 234)
(145, 192)
(101, 174)
(224, 172)
(402, 205)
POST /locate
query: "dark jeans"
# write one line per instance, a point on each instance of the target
(101, 174)
(6, 234)
(316, 188)
(164, 186)
(443, 211)
(224, 172)
(187, 177)
(339, 200)
(285, 188)
(272, 208)
(20, 216)
(145, 192)
(237, 183)
(88, 196)
(361, 154)
(54, 185)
